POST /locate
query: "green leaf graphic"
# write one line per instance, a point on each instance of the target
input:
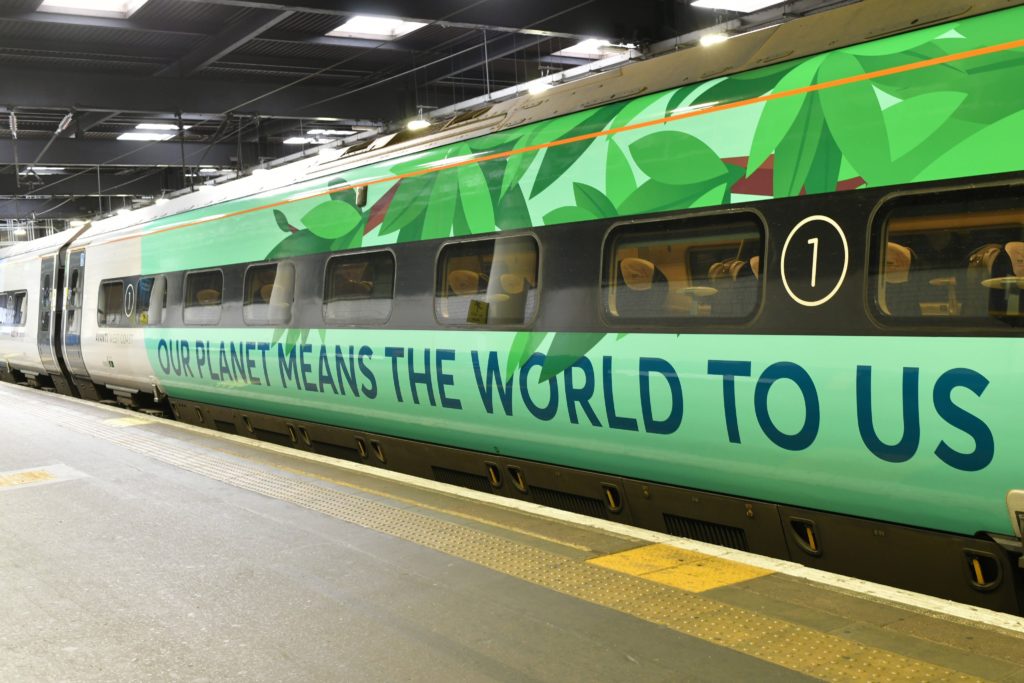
(475, 197)
(514, 212)
(796, 151)
(854, 118)
(558, 160)
(347, 196)
(409, 205)
(913, 121)
(620, 182)
(441, 211)
(301, 243)
(331, 220)
(524, 344)
(591, 200)
(823, 175)
(995, 149)
(567, 214)
(282, 221)
(675, 158)
(780, 114)
(567, 348)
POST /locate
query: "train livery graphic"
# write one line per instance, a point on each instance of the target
(776, 309)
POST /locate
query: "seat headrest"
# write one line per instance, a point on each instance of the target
(208, 297)
(464, 282)
(1016, 252)
(897, 263)
(266, 291)
(637, 273)
(512, 283)
(755, 265)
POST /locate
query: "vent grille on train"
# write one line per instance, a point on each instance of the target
(466, 480)
(709, 532)
(569, 501)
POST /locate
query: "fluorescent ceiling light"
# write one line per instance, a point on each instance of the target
(146, 137)
(43, 170)
(161, 200)
(418, 124)
(713, 39)
(736, 5)
(538, 86)
(298, 140)
(594, 48)
(159, 126)
(324, 131)
(365, 26)
(20, 232)
(77, 224)
(120, 9)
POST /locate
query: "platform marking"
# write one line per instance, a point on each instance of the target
(37, 476)
(683, 569)
(128, 421)
(920, 603)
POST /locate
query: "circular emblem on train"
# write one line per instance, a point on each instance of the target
(129, 300)
(815, 258)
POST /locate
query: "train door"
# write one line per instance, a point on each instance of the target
(50, 283)
(74, 311)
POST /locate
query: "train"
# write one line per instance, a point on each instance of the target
(765, 294)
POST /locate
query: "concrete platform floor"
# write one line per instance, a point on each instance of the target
(137, 549)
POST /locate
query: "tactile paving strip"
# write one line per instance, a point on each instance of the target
(785, 644)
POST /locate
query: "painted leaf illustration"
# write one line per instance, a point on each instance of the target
(298, 244)
(995, 149)
(524, 344)
(779, 115)
(567, 348)
(475, 197)
(409, 204)
(376, 214)
(620, 182)
(567, 214)
(654, 196)
(797, 150)
(282, 222)
(347, 196)
(558, 160)
(896, 44)
(441, 211)
(331, 220)
(741, 86)
(823, 175)
(460, 224)
(915, 120)
(513, 212)
(519, 163)
(676, 158)
(631, 112)
(854, 117)
(590, 199)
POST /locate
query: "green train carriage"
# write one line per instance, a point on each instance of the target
(775, 310)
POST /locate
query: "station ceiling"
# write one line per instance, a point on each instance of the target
(242, 77)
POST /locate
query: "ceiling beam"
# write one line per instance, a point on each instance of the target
(56, 89)
(95, 22)
(233, 36)
(138, 182)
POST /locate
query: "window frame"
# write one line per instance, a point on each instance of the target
(124, 321)
(490, 237)
(249, 322)
(875, 257)
(325, 282)
(136, 322)
(14, 293)
(185, 299)
(681, 323)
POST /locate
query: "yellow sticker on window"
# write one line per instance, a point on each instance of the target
(477, 312)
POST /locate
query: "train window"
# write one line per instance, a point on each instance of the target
(955, 258)
(269, 292)
(45, 309)
(110, 308)
(487, 282)
(13, 308)
(204, 292)
(152, 300)
(705, 268)
(358, 288)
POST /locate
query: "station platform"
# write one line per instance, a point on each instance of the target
(135, 548)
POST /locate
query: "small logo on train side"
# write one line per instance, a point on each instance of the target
(815, 259)
(129, 300)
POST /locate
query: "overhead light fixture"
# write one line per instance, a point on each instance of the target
(209, 171)
(42, 170)
(593, 48)
(78, 223)
(259, 170)
(119, 9)
(159, 126)
(298, 140)
(20, 232)
(709, 39)
(375, 28)
(331, 131)
(124, 211)
(736, 5)
(419, 123)
(161, 200)
(146, 137)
